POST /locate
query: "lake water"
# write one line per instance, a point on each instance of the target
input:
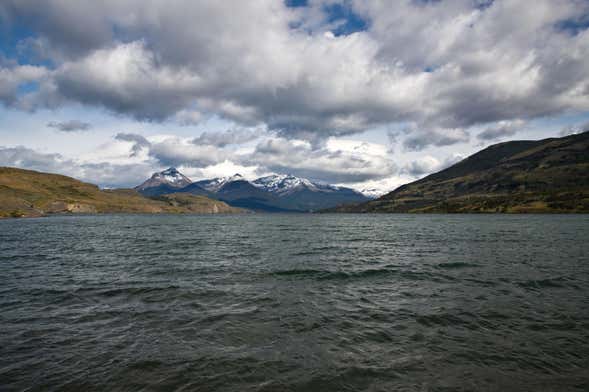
(295, 303)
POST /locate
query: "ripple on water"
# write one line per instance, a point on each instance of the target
(295, 303)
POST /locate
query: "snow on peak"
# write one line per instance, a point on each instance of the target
(173, 177)
(235, 177)
(283, 183)
(217, 183)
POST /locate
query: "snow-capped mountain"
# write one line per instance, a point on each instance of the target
(282, 184)
(169, 178)
(215, 184)
(274, 193)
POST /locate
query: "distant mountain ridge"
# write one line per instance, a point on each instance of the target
(274, 193)
(550, 175)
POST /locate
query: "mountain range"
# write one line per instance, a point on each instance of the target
(550, 175)
(274, 193)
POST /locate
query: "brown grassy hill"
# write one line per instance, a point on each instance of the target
(31, 193)
(550, 175)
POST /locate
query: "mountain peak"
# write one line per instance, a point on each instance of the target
(283, 183)
(170, 171)
(170, 177)
(215, 184)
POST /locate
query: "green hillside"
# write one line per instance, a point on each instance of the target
(550, 175)
(30, 193)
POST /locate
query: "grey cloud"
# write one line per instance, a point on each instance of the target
(70, 29)
(70, 126)
(29, 159)
(102, 174)
(133, 137)
(574, 129)
(12, 76)
(501, 130)
(477, 65)
(110, 175)
(272, 154)
(451, 160)
(422, 166)
(231, 136)
(499, 62)
(321, 164)
(420, 139)
(427, 165)
(175, 152)
(127, 79)
(392, 137)
(139, 142)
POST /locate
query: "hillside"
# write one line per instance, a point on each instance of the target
(550, 175)
(31, 193)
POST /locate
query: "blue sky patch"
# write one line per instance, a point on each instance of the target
(13, 46)
(26, 88)
(296, 3)
(10, 37)
(574, 26)
(350, 21)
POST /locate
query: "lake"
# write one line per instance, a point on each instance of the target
(298, 302)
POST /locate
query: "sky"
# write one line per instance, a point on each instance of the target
(367, 94)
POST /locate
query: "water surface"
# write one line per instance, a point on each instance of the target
(295, 303)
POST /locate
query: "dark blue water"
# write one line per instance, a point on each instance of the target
(295, 303)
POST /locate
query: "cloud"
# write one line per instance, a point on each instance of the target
(501, 130)
(30, 159)
(139, 142)
(428, 164)
(421, 166)
(13, 78)
(335, 161)
(188, 117)
(104, 174)
(303, 72)
(128, 79)
(231, 136)
(226, 168)
(574, 129)
(420, 139)
(339, 161)
(176, 151)
(130, 158)
(70, 126)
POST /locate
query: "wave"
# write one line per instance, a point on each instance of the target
(456, 264)
(368, 273)
(560, 282)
